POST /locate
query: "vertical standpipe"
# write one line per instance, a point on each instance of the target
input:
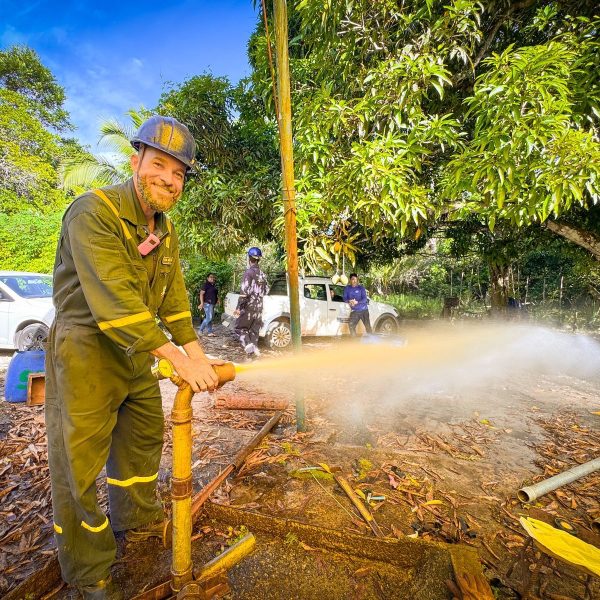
(287, 172)
(181, 486)
(181, 480)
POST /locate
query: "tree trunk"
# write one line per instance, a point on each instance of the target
(581, 237)
(499, 281)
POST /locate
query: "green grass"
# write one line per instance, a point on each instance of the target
(413, 306)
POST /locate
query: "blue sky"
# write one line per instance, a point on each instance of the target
(112, 56)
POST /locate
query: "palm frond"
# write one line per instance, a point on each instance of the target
(139, 116)
(115, 137)
(89, 172)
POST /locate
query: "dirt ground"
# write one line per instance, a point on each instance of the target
(441, 466)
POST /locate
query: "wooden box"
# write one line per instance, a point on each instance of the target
(36, 389)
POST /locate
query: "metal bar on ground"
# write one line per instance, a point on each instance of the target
(204, 494)
(365, 513)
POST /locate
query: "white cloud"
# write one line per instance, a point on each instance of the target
(102, 91)
(11, 37)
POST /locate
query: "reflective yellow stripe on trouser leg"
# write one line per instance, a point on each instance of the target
(134, 458)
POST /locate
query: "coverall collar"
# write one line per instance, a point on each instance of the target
(131, 210)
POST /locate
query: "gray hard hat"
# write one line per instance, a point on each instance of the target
(170, 136)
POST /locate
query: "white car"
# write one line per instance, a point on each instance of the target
(26, 310)
(323, 311)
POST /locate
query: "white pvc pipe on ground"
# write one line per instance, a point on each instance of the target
(531, 492)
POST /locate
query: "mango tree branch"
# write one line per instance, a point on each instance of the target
(581, 237)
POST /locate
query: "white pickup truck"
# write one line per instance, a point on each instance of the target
(323, 311)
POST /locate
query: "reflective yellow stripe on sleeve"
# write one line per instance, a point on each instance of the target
(178, 316)
(131, 480)
(95, 529)
(112, 207)
(57, 528)
(123, 321)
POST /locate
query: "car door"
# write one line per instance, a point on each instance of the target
(314, 309)
(338, 310)
(6, 325)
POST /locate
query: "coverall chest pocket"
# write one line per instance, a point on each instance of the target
(164, 268)
(109, 261)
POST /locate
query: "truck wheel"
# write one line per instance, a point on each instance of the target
(387, 326)
(279, 335)
(31, 337)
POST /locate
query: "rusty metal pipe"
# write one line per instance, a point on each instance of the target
(226, 559)
(241, 402)
(202, 496)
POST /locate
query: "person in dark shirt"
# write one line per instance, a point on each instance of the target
(250, 305)
(356, 296)
(208, 300)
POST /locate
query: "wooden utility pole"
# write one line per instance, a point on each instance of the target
(287, 172)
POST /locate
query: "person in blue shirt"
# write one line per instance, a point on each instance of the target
(356, 296)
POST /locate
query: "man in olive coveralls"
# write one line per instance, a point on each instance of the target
(103, 406)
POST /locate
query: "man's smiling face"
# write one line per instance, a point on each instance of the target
(158, 178)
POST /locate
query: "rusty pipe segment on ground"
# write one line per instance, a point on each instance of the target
(532, 492)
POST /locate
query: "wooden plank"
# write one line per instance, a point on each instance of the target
(36, 389)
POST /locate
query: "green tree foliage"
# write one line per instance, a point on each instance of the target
(28, 240)
(534, 148)
(28, 157)
(370, 124)
(405, 115)
(31, 202)
(21, 71)
(231, 197)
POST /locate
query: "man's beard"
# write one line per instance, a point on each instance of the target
(156, 201)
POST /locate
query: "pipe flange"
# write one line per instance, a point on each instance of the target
(181, 416)
(181, 488)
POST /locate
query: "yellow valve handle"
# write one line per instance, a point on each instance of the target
(163, 369)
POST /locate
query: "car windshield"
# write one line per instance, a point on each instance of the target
(29, 286)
